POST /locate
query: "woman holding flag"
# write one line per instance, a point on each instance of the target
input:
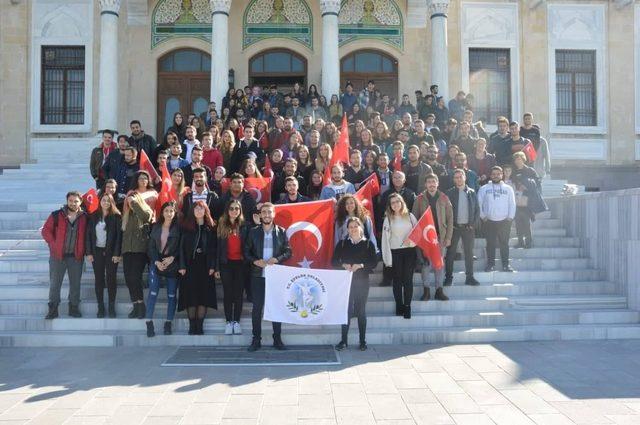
(399, 253)
(356, 254)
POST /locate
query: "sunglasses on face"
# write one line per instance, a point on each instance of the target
(234, 209)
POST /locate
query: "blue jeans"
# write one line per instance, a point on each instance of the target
(154, 288)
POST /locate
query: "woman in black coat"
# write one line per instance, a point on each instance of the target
(230, 266)
(163, 252)
(197, 266)
(103, 242)
(358, 255)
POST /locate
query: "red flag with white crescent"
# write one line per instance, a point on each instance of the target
(146, 165)
(530, 151)
(309, 227)
(259, 188)
(268, 170)
(425, 236)
(90, 201)
(397, 162)
(365, 195)
(166, 192)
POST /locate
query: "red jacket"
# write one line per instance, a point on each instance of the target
(55, 229)
(212, 158)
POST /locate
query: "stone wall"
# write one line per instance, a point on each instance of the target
(608, 226)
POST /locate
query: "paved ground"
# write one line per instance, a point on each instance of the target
(506, 384)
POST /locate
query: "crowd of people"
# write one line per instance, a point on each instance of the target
(424, 156)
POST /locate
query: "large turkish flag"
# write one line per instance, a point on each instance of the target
(340, 150)
(259, 188)
(309, 227)
(425, 236)
(145, 164)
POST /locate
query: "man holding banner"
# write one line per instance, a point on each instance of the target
(265, 246)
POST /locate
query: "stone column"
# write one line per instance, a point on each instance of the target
(439, 46)
(108, 84)
(219, 50)
(330, 52)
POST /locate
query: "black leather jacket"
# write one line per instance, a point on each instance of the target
(254, 243)
(221, 257)
(114, 235)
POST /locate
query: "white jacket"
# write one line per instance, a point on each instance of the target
(386, 237)
(497, 202)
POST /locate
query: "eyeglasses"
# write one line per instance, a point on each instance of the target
(234, 208)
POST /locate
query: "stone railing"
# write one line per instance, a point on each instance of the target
(608, 224)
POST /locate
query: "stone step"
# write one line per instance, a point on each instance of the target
(40, 291)
(215, 325)
(302, 336)
(27, 206)
(8, 264)
(32, 298)
(19, 249)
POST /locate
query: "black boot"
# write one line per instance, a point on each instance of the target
(53, 312)
(277, 343)
(142, 310)
(426, 294)
(407, 311)
(255, 344)
(192, 326)
(112, 310)
(200, 327)
(150, 330)
(440, 295)
(100, 314)
(471, 281)
(343, 342)
(167, 328)
(134, 311)
(74, 311)
(399, 307)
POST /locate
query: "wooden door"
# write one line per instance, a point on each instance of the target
(180, 92)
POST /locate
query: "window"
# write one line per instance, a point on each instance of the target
(490, 83)
(576, 87)
(368, 62)
(186, 60)
(62, 88)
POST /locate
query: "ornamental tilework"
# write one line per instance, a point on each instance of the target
(371, 19)
(289, 19)
(181, 18)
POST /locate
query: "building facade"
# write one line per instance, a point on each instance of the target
(73, 67)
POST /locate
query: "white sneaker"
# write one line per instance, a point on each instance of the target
(228, 330)
(237, 330)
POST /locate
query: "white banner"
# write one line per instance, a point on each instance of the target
(306, 296)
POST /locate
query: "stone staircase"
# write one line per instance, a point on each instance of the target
(555, 293)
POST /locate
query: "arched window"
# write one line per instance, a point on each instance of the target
(186, 60)
(279, 66)
(363, 65)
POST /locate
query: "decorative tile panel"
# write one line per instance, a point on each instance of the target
(180, 18)
(371, 19)
(290, 19)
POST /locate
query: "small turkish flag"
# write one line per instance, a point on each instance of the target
(365, 194)
(397, 162)
(425, 236)
(225, 184)
(146, 165)
(309, 227)
(530, 151)
(166, 192)
(259, 188)
(91, 201)
(268, 171)
(340, 150)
